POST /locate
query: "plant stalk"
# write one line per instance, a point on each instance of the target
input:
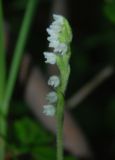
(60, 117)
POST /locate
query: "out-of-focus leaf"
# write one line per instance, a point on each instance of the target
(109, 11)
(110, 115)
(44, 153)
(48, 153)
(70, 158)
(29, 132)
(100, 39)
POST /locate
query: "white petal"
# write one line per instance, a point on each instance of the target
(52, 97)
(50, 57)
(61, 48)
(54, 81)
(54, 44)
(49, 110)
(58, 18)
(56, 28)
(52, 38)
(50, 31)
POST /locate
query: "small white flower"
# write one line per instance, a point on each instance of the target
(61, 48)
(58, 19)
(49, 110)
(54, 31)
(60, 34)
(50, 57)
(58, 47)
(52, 97)
(54, 81)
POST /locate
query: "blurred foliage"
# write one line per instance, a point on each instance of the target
(28, 132)
(19, 4)
(28, 137)
(109, 10)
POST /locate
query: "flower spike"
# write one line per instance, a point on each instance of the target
(59, 34)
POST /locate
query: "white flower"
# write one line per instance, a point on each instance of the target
(54, 81)
(52, 97)
(49, 110)
(61, 48)
(58, 47)
(58, 18)
(54, 34)
(60, 34)
(50, 57)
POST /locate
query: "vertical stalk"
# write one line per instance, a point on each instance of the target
(2, 55)
(19, 51)
(60, 117)
(2, 83)
(64, 69)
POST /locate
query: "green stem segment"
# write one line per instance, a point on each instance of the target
(2, 56)
(2, 83)
(60, 117)
(19, 51)
(2, 136)
(64, 68)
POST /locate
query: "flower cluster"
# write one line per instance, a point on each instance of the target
(59, 39)
(52, 97)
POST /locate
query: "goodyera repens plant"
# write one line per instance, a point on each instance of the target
(59, 38)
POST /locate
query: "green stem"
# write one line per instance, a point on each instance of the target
(5, 99)
(64, 68)
(19, 51)
(2, 55)
(60, 117)
(2, 83)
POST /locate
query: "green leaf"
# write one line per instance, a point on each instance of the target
(29, 132)
(110, 115)
(109, 11)
(45, 153)
(70, 158)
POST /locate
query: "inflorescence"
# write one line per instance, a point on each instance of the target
(59, 41)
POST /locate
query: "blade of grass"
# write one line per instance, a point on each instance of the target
(2, 55)
(2, 82)
(5, 99)
(19, 51)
